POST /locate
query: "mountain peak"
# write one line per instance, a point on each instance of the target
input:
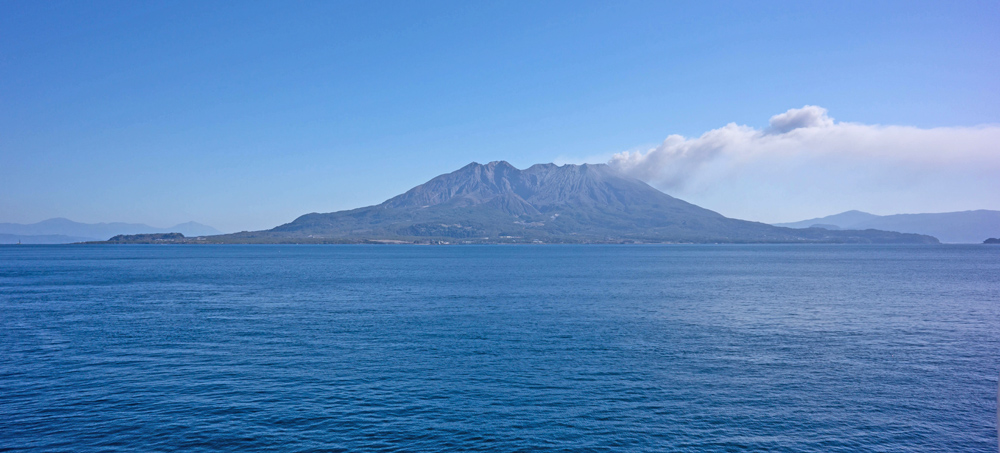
(491, 164)
(499, 163)
(57, 221)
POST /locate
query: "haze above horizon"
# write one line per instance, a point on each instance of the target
(245, 116)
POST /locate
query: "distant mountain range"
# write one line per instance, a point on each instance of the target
(63, 231)
(951, 227)
(497, 203)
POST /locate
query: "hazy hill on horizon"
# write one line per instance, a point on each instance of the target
(951, 227)
(63, 231)
(496, 202)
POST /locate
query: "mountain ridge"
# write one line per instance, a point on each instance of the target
(970, 227)
(60, 230)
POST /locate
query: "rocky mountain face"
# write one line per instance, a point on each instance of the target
(497, 202)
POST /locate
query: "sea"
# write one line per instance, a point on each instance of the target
(576, 348)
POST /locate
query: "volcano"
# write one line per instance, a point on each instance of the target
(548, 203)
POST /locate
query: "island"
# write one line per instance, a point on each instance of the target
(155, 238)
(496, 203)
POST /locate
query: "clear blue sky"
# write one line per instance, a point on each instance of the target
(244, 115)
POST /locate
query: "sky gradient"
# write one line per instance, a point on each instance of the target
(245, 115)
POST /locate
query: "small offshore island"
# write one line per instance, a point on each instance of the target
(992, 241)
(497, 203)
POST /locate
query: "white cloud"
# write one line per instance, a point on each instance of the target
(808, 116)
(834, 165)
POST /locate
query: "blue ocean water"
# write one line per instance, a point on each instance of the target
(499, 348)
